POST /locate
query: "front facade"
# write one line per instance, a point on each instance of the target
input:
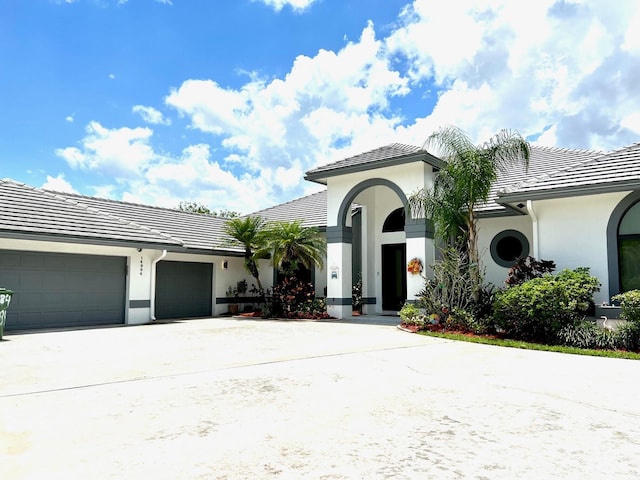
(81, 261)
(578, 208)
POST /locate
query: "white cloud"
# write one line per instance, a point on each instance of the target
(298, 119)
(296, 5)
(151, 115)
(120, 153)
(565, 71)
(58, 184)
(566, 64)
(69, 118)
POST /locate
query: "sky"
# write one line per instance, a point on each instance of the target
(228, 103)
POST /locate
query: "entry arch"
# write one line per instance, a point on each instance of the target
(347, 201)
(628, 203)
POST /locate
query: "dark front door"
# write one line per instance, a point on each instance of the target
(394, 278)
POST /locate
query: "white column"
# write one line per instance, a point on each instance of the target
(419, 244)
(339, 272)
(421, 248)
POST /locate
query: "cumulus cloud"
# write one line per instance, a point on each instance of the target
(58, 184)
(119, 153)
(566, 64)
(564, 72)
(304, 118)
(296, 5)
(151, 115)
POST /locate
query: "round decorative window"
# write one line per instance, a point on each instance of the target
(507, 246)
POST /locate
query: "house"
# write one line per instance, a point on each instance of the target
(76, 261)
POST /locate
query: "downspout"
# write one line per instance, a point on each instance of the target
(153, 285)
(534, 220)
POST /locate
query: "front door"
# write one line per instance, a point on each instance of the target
(394, 277)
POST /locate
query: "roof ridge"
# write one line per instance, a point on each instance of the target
(122, 202)
(566, 149)
(287, 202)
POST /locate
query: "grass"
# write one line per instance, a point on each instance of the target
(534, 346)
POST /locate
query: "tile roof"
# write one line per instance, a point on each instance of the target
(392, 154)
(191, 230)
(542, 161)
(26, 210)
(615, 170)
(311, 210)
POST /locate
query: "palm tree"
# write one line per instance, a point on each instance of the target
(249, 233)
(465, 182)
(291, 245)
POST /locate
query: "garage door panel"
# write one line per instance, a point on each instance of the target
(183, 289)
(60, 290)
(10, 260)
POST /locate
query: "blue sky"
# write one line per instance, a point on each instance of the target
(227, 103)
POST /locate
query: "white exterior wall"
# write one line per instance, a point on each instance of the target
(377, 203)
(409, 177)
(140, 281)
(488, 228)
(573, 233)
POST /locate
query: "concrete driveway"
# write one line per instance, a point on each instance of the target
(236, 399)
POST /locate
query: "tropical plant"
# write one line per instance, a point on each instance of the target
(356, 295)
(527, 268)
(629, 305)
(451, 286)
(293, 298)
(538, 309)
(249, 233)
(464, 183)
(291, 245)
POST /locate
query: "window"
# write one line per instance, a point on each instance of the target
(507, 246)
(395, 221)
(629, 249)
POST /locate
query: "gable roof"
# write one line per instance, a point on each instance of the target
(618, 170)
(311, 210)
(28, 212)
(389, 155)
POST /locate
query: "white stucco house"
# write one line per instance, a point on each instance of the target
(75, 260)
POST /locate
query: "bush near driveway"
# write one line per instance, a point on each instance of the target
(538, 309)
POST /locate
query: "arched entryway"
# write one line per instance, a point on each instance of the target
(623, 245)
(379, 242)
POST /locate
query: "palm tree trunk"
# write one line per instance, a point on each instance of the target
(474, 260)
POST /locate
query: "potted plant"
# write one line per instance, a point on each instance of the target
(235, 292)
(233, 305)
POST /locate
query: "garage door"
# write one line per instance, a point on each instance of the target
(63, 290)
(183, 289)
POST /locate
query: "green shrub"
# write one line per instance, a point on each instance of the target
(630, 305)
(410, 314)
(628, 336)
(538, 309)
(587, 334)
(293, 298)
(465, 321)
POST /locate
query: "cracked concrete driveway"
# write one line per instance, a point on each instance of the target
(235, 399)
